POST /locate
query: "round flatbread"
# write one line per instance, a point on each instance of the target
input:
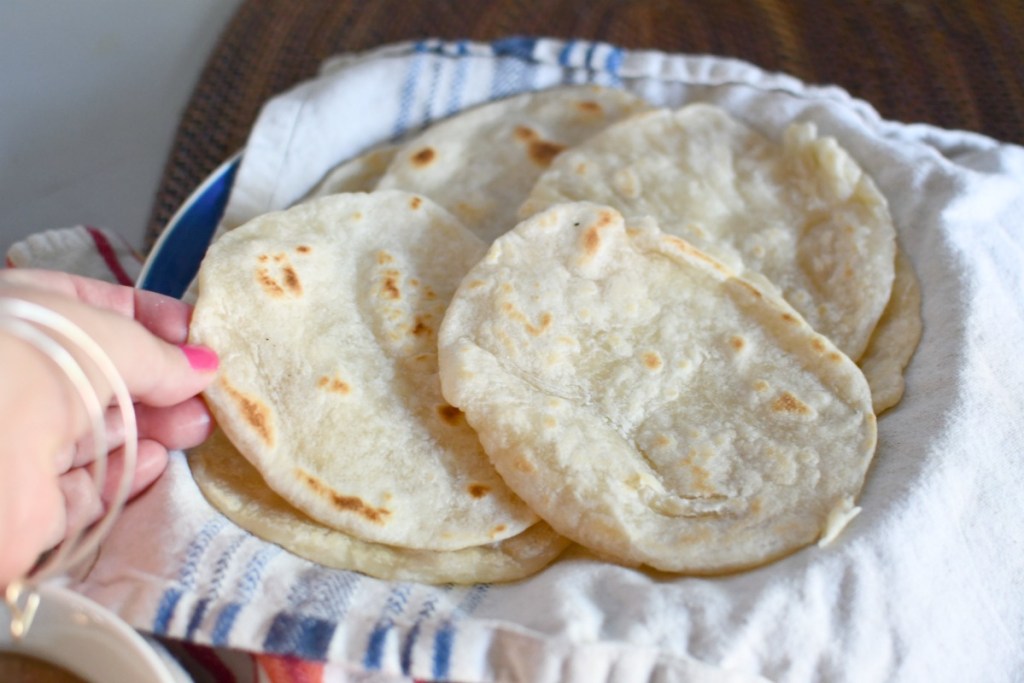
(324, 317)
(647, 402)
(235, 488)
(481, 163)
(800, 213)
(895, 338)
(359, 174)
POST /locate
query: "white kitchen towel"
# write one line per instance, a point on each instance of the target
(927, 584)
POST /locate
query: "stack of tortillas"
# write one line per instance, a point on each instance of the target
(560, 317)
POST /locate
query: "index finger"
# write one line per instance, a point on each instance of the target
(164, 316)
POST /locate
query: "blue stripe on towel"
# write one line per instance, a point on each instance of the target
(516, 46)
(213, 587)
(458, 80)
(186, 576)
(225, 620)
(563, 56)
(198, 612)
(444, 640)
(297, 636)
(408, 91)
(428, 609)
(244, 591)
(165, 610)
(394, 606)
(613, 62)
(443, 651)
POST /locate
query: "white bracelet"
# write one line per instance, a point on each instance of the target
(57, 337)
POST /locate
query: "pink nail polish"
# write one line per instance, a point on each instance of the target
(201, 358)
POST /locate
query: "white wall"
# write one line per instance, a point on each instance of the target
(90, 96)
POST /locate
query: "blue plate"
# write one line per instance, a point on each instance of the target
(174, 259)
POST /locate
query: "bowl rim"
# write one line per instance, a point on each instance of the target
(58, 602)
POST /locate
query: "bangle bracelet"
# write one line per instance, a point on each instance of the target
(67, 346)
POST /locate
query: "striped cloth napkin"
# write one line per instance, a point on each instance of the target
(926, 584)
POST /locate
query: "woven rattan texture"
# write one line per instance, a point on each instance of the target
(954, 63)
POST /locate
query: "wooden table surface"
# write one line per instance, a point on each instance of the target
(953, 63)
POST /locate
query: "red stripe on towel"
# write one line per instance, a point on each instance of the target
(105, 249)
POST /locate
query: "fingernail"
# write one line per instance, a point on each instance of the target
(201, 358)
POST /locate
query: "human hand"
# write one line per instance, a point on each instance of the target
(44, 444)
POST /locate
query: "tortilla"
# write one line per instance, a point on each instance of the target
(235, 488)
(649, 403)
(324, 317)
(895, 338)
(360, 174)
(481, 163)
(800, 213)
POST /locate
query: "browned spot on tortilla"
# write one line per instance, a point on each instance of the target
(589, 106)
(449, 414)
(389, 290)
(291, 280)
(525, 134)
(284, 283)
(652, 360)
(818, 345)
(335, 384)
(303, 249)
(421, 328)
(384, 257)
(476, 284)
(254, 412)
(699, 477)
(429, 294)
(581, 168)
(478, 490)
(545, 323)
(690, 250)
(834, 357)
(542, 151)
(788, 403)
(789, 318)
(737, 343)
(592, 240)
(760, 385)
(662, 441)
(269, 284)
(592, 235)
(499, 529)
(424, 156)
(342, 502)
(524, 465)
(539, 150)
(415, 202)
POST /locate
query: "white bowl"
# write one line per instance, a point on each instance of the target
(73, 632)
